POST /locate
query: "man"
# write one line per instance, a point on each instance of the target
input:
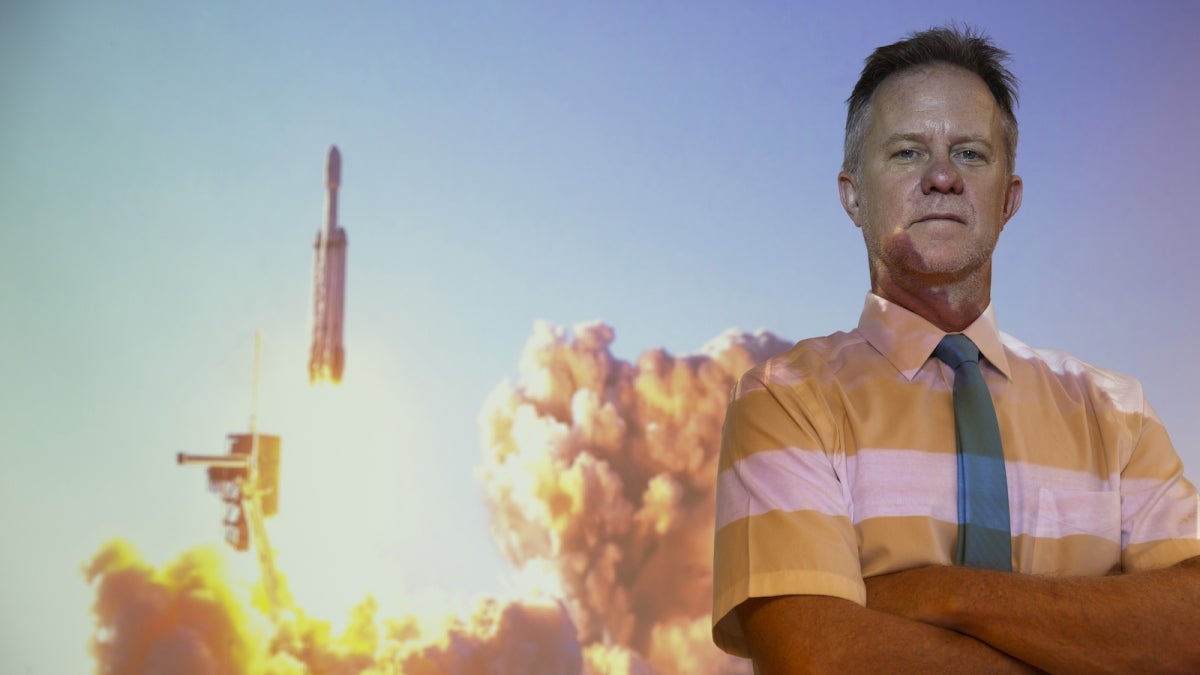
(842, 495)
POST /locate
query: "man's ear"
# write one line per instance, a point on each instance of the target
(848, 191)
(1012, 198)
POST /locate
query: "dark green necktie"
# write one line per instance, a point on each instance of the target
(984, 538)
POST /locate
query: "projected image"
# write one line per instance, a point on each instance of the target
(399, 339)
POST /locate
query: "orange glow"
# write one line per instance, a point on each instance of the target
(324, 375)
(195, 620)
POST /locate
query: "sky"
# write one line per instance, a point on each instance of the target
(665, 168)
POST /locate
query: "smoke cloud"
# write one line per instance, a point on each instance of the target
(186, 619)
(603, 472)
(182, 618)
(599, 475)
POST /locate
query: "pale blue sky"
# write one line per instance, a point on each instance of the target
(667, 168)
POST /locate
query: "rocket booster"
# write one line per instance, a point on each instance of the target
(329, 284)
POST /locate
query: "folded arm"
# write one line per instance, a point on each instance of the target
(1139, 622)
(815, 634)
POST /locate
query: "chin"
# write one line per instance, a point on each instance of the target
(947, 259)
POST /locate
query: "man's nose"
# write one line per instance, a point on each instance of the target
(941, 175)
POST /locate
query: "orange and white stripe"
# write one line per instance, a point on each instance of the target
(838, 463)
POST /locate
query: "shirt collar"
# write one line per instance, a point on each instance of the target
(907, 340)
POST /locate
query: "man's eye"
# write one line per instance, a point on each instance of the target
(907, 153)
(970, 155)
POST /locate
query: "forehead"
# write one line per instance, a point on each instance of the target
(934, 98)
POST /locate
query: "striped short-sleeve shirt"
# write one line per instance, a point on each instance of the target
(838, 464)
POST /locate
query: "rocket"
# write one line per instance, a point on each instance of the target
(329, 284)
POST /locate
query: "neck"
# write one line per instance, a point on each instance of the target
(951, 306)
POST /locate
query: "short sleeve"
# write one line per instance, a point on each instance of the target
(783, 524)
(1158, 504)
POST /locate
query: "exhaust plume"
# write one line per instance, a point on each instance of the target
(186, 619)
(603, 471)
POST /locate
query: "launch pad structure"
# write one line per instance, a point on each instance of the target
(247, 480)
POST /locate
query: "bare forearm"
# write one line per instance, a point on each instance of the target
(782, 639)
(1144, 622)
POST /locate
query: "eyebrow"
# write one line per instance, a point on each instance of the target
(920, 138)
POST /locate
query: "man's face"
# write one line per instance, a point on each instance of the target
(934, 190)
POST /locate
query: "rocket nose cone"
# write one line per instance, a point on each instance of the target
(333, 168)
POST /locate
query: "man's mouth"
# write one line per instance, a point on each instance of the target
(941, 216)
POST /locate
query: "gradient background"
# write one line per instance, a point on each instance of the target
(668, 168)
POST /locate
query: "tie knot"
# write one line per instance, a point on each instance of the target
(956, 349)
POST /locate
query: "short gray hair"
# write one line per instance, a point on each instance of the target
(962, 47)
